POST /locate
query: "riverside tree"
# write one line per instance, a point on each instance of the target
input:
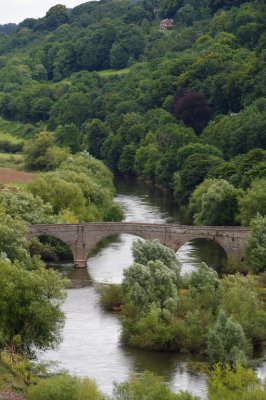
(227, 343)
(214, 202)
(30, 306)
(150, 288)
(256, 249)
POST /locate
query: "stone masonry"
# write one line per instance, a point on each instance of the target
(81, 238)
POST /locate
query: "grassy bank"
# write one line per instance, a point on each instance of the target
(11, 131)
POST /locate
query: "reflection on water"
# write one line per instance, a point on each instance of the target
(193, 253)
(91, 344)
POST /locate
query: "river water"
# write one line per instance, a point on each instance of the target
(91, 345)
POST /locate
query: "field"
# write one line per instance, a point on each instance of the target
(109, 72)
(8, 160)
(11, 176)
(10, 130)
(10, 138)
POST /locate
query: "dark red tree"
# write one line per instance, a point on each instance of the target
(193, 109)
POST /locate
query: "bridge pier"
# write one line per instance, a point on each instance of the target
(80, 263)
(235, 258)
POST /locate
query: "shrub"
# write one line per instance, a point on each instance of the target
(65, 387)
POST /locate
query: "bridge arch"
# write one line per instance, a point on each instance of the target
(105, 235)
(188, 239)
(198, 250)
(58, 237)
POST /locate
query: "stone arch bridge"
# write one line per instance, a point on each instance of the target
(81, 238)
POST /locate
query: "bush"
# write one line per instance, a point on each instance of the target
(148, 387)
(8, 147)
(111, 296)
(65, 387)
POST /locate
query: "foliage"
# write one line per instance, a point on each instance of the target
(152, 250)
(226, 341)
(253, 201)
(13, 243)
(31, 209)
(208, 69)
(69, 136)
(221, 317)
(111, 296)
(204, 287)
(256, 248)
(80, 190)
(150, 290)
(236, 383)
(96, 133)
(59, 193)
(237, 133)
(65, 387)
(30, 306)
(15, 373)
(148, 386)
(41, 153)
(153, 283)
(193, 109)
(193, 171)
(214, 202)
(240, 299)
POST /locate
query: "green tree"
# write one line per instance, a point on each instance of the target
(153, 283)
(218, 204)
(31, 209)
(237, 133)
(151, 250)
(194, 170)
(30, 306)
(234, 383)
(146, 160)
(204, 288)
(256, 247)
(226, 341)
(71, 108)
(240, 299)
(195, 201)
(59, 193)
(96, 133)
(126, 163)
(168, 8)
(55, 16)
(118, 56)
(253, 201)
(13, 243)
(150, 290)
(195, 148)
(40, 109)
(68, 136)
(41, 153)
(111, 150)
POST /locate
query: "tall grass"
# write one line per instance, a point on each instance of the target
(11, 131)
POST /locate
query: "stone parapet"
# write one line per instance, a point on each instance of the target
(81, 238)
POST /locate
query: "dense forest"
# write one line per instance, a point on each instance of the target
(180, 107)
(172, 92)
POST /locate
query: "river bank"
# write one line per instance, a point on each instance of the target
(91, 345)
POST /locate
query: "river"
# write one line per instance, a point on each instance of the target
(91, 345)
